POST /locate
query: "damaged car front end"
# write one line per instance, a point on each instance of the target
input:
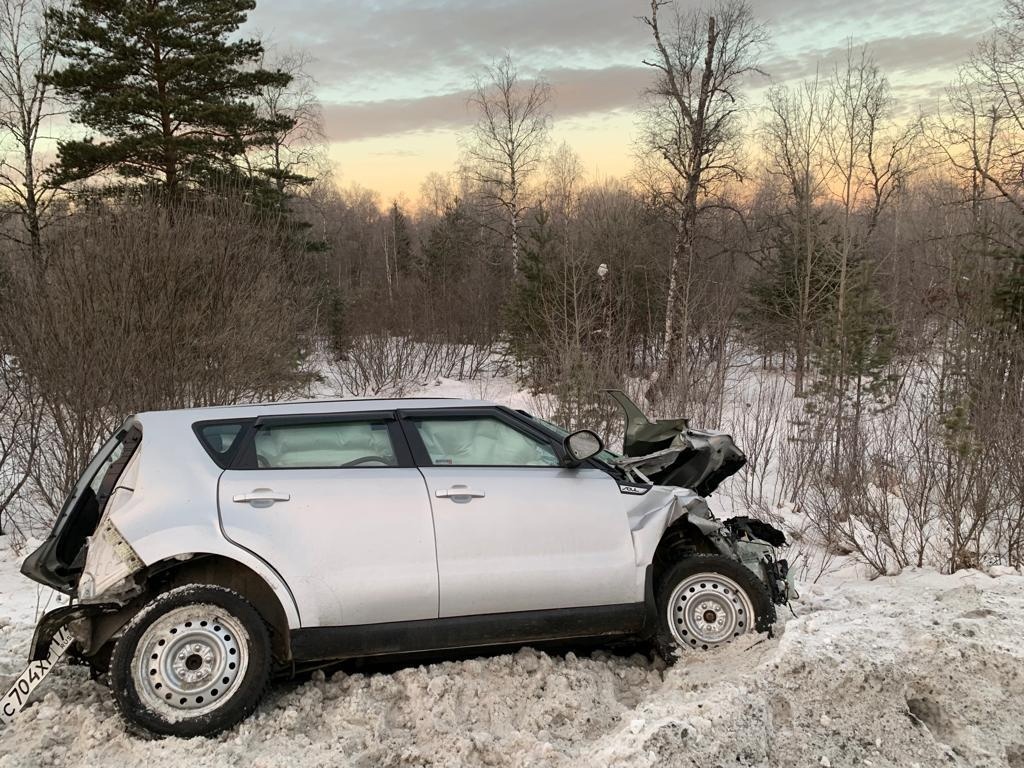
(687, 465)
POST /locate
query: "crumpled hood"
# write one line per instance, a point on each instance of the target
(669, 452)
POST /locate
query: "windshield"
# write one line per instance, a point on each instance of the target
(605, 456)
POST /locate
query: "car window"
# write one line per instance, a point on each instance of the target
(101, 473)
(323, 445)
(220, 438)
(481, 441)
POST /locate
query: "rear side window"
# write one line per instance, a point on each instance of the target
(322, 445)
(220, 439)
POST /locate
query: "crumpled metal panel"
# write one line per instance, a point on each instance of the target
(669, 452)
(659, 509)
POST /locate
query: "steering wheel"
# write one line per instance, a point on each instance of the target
(366, 459)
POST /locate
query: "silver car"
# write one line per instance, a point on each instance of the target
(206, 550)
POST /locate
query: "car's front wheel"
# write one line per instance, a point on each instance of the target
(194, 661)
(705, 601)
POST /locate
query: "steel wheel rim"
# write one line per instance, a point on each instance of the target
(190, 661)
(707, 610)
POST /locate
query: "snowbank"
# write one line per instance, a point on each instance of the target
(919, 669)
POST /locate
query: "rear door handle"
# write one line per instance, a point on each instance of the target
(459, 492)
(262, 497)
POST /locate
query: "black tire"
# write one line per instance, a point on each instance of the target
(99, 664)
(729, 607)
(226, 639)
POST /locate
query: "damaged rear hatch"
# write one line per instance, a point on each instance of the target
(59, 562)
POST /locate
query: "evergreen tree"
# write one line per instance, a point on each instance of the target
(853, 361)
(526, 315)
(165, 87)
(401, 240)
(447, 267)
(789, 299)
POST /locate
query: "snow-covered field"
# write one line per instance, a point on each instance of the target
(919, 669)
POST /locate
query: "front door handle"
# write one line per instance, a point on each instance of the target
(457, 492)
(262, 497)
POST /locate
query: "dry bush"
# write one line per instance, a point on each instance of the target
(20, 414)
(760, 426)
(138, 305)
(379, 363)
(375, 364)
(915, 486)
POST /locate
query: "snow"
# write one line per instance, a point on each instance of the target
(917, 669)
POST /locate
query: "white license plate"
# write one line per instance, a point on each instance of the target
(17, 696)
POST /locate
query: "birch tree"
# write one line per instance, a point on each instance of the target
(690, 140)
(28, 42)
(793, 139)
(507, 144)
(293, 153)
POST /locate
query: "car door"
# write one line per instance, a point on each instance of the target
(335, 504)
(515, 530)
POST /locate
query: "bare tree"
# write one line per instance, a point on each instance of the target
(19, 436)
(690, 144)
(793, 139)
(981, 132)
(869, 158)
(295, 154)
(436, 194)
(506, 145)
(28, 42)
(563, 176)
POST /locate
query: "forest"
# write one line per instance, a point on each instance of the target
(832, 276)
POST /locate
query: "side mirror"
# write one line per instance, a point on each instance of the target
(580, 446)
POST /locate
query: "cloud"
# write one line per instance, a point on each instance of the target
(389, 67)
(445, 40)
(361, 120)
(577, 92)
(896, 56)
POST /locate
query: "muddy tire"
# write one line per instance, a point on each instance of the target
(704, 601)
(194, 661)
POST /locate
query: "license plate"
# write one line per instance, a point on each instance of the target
(17, 696)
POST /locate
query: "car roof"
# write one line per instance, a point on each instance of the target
(296, 407)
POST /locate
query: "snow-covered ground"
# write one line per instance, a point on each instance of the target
(919, 669)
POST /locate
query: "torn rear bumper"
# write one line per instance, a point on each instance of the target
(52, 621)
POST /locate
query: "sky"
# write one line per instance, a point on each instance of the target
(394, 75)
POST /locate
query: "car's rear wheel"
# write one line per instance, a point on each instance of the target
(705, 601)
(193, 661)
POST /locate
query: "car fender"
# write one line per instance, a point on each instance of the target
(658, 510)
(173, 544)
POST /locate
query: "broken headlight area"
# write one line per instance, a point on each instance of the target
(756, 542)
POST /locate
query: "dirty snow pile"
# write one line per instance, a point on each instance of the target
(919, 669)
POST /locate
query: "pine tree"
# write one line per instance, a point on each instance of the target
(853, 361)
(166, 88)
(790, 298)
(401, 240)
